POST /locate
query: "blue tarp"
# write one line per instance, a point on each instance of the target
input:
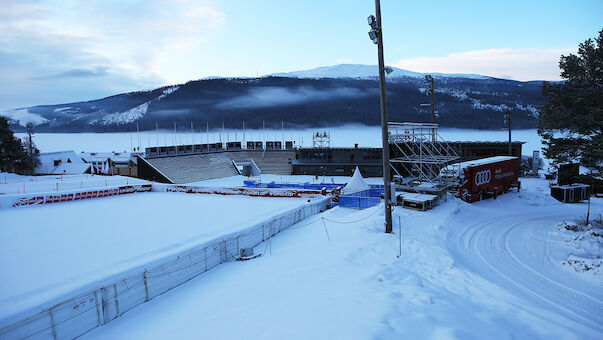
(358, 202)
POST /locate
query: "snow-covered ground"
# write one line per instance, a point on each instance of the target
(46, 251)
(583, 243)
(341, 136)
(16, 184)
(486, 270)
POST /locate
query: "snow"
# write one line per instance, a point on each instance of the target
(355, 184)
(47, 251)
(68, 163)
(364, 72)
(583, 244)
(482, 161)
(486, 270)
(411, 196)
(125, 117)
(341, 136)
(15, 184)
(23, 116)
(167, 92)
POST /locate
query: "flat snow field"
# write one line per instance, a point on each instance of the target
(11, 184)
(48, 250)
(341, 136)
(486, 270)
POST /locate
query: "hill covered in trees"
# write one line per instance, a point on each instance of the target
(472, 102)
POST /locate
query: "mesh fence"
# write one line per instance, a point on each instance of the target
(87, 310)
(361, 199)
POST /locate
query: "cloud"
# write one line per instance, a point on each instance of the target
(23, 116)
(520, 64)
(280, 96)
(134, 42)
(75, 73)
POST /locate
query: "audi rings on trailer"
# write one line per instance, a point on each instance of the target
(483, 177)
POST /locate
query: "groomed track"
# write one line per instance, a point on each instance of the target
(514, 252)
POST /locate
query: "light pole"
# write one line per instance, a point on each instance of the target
(376, 36)
(431, 92)
(508, 122)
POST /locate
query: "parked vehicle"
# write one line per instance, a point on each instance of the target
(483, 178)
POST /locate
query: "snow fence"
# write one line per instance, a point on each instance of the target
(13, 201)
(76, 313)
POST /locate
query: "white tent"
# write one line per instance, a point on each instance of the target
(356, 184)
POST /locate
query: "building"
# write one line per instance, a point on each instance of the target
(61, 162)
(337, 161)
(112, 163)
(198, 162)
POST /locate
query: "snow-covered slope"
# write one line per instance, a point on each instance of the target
(326, 96)
(364, 72)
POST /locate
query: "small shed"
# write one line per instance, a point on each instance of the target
(571, 193)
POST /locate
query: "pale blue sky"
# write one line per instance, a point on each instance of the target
(60, 51)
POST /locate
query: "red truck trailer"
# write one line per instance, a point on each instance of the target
(483, 178)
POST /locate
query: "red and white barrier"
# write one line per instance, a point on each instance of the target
(254, 192)
(12, 201)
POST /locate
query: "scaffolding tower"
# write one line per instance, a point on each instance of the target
(418, 153)
(321, 140)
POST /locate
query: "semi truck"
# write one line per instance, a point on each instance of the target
(483, 178)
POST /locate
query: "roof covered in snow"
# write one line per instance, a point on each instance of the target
(488, 160)
(61, 162)
(101, 157)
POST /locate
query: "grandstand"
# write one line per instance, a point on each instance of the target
(186, 168)
(199, 162)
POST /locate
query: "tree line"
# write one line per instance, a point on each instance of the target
(17, 156)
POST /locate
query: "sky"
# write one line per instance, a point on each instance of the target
(54, 52)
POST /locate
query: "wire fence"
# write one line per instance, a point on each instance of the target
(89, 309)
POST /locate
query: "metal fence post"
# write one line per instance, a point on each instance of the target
(205, 254)
(54, 330)
(146, 285)
(99, 307)
(116, 300)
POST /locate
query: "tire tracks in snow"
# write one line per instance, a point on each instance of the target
(485, 247)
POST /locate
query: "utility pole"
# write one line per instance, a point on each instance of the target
(431, 92)
(376, 35)
(508, 121)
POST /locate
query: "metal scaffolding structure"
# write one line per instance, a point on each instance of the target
(321, 140)
(418, 152)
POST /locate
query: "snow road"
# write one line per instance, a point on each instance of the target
(509, 251)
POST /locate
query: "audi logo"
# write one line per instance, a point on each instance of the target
(483, 177)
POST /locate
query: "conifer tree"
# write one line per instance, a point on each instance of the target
(571, 123)
(13, 156)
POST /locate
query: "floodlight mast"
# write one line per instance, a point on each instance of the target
(376, 36)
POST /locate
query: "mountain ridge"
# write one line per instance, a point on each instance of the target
(317, 97)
